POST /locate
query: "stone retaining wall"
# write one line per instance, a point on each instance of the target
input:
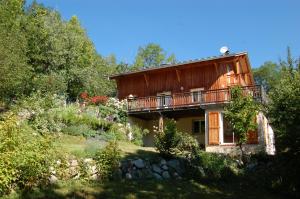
(130, 169)
(145, 169)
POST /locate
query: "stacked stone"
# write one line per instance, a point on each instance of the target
(145, 169)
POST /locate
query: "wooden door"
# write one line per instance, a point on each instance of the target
(213, 128)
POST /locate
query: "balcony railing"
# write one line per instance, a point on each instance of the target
(189, 99)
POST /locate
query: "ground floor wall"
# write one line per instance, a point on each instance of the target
(265, 135)
(150, 125)
(184, 125)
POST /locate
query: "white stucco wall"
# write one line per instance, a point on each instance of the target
(265, 139)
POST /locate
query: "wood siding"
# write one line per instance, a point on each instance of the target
(208, 75)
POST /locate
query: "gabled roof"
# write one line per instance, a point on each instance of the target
(180, 64)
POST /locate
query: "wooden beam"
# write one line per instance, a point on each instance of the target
(178, 75)
(146, 79)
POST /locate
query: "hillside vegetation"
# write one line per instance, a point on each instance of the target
(63, 134)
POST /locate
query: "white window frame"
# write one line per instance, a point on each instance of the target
(166, 101)
(221, 136)
(199, 94)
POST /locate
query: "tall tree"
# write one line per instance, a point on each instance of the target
(63, 57)
(267, 75)
(241, 113)
(290, 63)
(152, 55)
(14, 70)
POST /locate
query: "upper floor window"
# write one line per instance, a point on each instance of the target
(164, 99)
(196, 94)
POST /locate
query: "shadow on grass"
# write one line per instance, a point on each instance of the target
(149, 189)
(128, 190)
(144, 154)
(156, 189)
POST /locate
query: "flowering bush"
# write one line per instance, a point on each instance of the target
(98, 100)
(84, 96)
(114, 110)
(115, 103)
(39, 111)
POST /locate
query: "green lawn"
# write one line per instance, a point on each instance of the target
(148, 189)
(128, 189)
(79, 146)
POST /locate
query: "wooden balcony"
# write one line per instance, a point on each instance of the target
(188, 99)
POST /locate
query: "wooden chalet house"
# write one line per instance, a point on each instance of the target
(194, 94)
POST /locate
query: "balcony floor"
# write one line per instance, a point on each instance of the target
(168, 112)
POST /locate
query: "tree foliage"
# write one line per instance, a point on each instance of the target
(241, 113)
(267, 75)
(41, 51)
(284, 116)
(152, 55)
(14, 70)
(284, 111)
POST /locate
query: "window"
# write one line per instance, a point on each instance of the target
(199, 126)
(164, 99)
(228, 135)
(196, 94)
(230, 75)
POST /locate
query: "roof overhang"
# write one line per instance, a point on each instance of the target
(181, 64)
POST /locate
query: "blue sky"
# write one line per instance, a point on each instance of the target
(190, 29)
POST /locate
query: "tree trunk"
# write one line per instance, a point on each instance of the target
(242, 154)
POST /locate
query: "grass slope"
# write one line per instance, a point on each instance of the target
(128, 189)
(148, 189)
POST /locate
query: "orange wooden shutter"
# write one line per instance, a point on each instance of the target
(213, 131)
(252, 137)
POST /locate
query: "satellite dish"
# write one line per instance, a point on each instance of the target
(224, 50)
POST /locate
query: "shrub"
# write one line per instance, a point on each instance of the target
(115, 132)
(107, 159)
(99, 100)
(77, 130)
(215, 166)
(38, 109)
(187, 143)
(72, 115)
(120, 109)
(118, 131)
(84, 96)
(96, 100)
(171, 142)
(138, 134)
(167, 141)
(25, 155)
